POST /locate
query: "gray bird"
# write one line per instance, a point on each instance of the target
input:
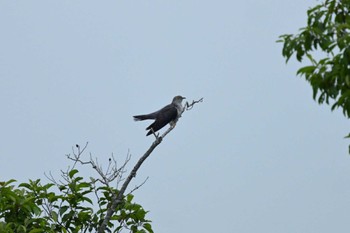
(169, 114)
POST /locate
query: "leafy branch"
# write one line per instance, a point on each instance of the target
(69, 204)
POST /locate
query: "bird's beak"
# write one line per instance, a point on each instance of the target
(183, 98)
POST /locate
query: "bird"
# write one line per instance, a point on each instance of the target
(167, 115)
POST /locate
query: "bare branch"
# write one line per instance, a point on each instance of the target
(117, 199)
(76, 156)
(190, 106)
(138, 186)
(187, 107)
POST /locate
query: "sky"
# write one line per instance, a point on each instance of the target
(257, 155)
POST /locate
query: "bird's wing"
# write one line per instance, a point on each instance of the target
(164, 116)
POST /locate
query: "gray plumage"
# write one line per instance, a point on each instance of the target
(164, 116)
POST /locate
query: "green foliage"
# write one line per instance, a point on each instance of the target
(328, 33)
(20, 211)
(77, 206)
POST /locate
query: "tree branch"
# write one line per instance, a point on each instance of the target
(117, 199)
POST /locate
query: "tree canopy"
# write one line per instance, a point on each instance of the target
(35, 207)
(327, 31)
(325, 43)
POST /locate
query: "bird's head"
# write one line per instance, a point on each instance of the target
(178, 99)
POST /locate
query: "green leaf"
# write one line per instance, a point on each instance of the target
(148, 227)
(140, 214)
(21, 228)
(308, 55)
(129, 197)
(47, 186)
(347, 80)
(300, 53)
(36, 230)
(68, 216)
(9, 182)
(306, 70)
(25, 185)
(54, 216)
(83, 185)
(87, 199)
(72, 173)
(63, 209)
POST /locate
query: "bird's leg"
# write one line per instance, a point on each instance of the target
(154, 133)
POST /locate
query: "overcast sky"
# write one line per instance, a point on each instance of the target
(258, 155)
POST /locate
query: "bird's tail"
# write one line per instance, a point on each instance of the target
(142, 117)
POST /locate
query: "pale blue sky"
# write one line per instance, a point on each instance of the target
(258, 155)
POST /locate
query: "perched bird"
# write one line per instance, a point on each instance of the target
(168, 114)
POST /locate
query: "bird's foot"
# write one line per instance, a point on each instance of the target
(156, 135)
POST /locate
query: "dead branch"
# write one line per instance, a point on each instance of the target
(190, 106)
(117, 199)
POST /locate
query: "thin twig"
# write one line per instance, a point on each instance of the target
(138, 186)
